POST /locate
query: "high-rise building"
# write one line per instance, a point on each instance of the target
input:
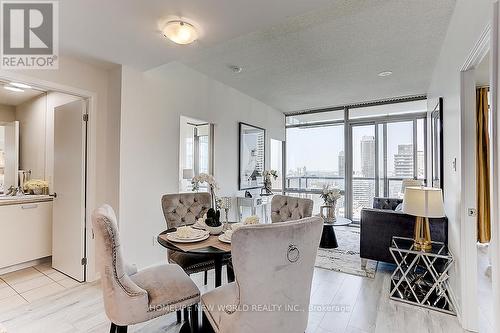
(342, 164)
(368, 156)
(420, 164)
(403, 161)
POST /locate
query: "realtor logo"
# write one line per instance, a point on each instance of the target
(29, 35)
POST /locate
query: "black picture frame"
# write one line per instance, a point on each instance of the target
(437, 145)
(260, 156)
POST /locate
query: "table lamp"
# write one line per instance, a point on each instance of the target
(424, 203)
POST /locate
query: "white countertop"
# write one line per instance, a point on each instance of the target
(16, 200)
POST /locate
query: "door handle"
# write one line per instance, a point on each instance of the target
(28, 206)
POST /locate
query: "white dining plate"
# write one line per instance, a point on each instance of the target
(172, 237)
(224, 239)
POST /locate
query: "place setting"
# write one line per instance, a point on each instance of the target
(187, 234)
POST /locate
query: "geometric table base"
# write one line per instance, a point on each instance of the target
(421, 278)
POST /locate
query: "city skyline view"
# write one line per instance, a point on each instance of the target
(305, 171)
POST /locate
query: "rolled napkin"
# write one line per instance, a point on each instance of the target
(254, 219)
(201, 222)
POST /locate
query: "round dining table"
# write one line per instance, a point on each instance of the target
(211, 246)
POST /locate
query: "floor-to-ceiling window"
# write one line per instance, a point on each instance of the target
(367, 150)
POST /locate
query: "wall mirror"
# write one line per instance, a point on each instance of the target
(196, 151)
(437, 170)
(251, 156)
(9, 154)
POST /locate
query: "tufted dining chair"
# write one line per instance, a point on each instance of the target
(185, 208)
(285, 208)
(131, 296)
(271, 293)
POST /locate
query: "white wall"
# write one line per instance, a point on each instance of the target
(32, 132)
(7, 113)
(152, 104)
(112, 170)
(469, 20)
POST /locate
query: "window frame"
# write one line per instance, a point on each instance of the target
(376, 121)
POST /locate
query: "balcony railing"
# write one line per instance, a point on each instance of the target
(304, 183)
(363, 189)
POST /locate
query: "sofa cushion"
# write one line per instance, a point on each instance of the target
(386, 203)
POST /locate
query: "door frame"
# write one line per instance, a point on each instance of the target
(495, 91)
(91, 162)
(468, 308)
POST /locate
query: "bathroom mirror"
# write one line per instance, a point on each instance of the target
(9, 154)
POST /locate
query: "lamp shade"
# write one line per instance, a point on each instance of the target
(423, 202)
(410, 183)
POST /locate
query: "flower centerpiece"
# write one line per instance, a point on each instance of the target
(210, 181)
(330, 197)
(268, 174)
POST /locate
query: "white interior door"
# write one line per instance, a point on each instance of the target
(11, 154)
(68, 244)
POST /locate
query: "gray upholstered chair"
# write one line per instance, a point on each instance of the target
(285, 208)
(132, 296)
(186, 208)
(273, 266)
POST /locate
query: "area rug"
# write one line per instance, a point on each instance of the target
(346, 257)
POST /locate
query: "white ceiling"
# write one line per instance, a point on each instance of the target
(295, 54)
(15, 98)
(128, 31)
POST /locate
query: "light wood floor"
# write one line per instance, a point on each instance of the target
(357, 305)
(485, 291)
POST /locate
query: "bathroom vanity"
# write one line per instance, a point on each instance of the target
(25, 229)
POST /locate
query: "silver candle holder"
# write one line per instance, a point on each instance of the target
(225, 203)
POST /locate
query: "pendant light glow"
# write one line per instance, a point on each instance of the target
(180, 32)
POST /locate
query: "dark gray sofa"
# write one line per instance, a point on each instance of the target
(380, 223)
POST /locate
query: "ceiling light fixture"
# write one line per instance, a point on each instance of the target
(384, 73)
(20, 85)
(13, 89)
(180, 32)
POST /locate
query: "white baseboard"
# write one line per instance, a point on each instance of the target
(26, 264)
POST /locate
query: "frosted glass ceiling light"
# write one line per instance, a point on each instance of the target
(180, 32)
